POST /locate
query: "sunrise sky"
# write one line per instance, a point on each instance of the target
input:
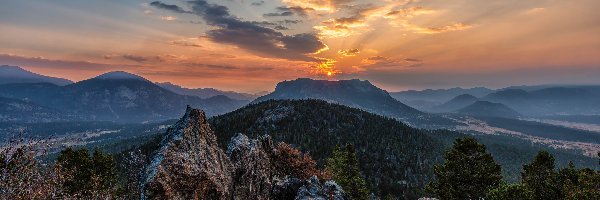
(250, 45)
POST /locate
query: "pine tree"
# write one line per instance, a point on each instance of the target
(510, 191)
(541, 178)
(469, 172)
(87, 175)
(346, 172)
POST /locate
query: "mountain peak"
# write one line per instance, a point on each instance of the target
(119, 75)
(486, 108)
(15, 74)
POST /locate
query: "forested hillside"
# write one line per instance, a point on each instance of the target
(395, 159)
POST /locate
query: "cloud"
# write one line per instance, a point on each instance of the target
(281, 14)
(380, 62)
(168, 18)
(173, 8)
(290, 10)
(289, 21)
(349, 52)
(188, 42)
(210, 66)
(402, 17)
(354, 23)
(434, 30)
(41, 62)
(258, 3)
(253, 37)
(377, 58)
(137, 58)
(328, 6)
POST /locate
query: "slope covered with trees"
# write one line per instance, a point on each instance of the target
(395, 159)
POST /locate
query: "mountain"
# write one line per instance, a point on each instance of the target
(354, 93)
(116, 96)
(456, 103)
(438, 96)
(14, 74)
(188, 164)
(395, 159)
(575, 100)
(206, 92)
(486, 108)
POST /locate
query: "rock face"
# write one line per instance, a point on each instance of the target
(252, 162)
(190, 165)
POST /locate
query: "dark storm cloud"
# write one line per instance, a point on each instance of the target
(251, 36)
(173, 8)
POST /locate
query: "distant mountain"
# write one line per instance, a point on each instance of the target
(116, 96)
(456, 103)
(396, 159)
(354, 93)
(206, 92)
(486, 108)
(550, 101)
(439, 95)
(15, 74)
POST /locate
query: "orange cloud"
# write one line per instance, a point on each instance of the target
(349, 52)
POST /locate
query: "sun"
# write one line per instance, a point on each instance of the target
(329, 73)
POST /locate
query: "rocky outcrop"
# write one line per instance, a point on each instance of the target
(252, 177)
(190, 165)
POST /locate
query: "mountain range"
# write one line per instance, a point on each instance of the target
(536, 101)
(208, 92)
(426, 99)
(486, 108)
(115, 96)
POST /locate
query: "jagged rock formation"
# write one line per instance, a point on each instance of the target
(190, 165)
(252, 162)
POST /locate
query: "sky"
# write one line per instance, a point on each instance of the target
(250, 45)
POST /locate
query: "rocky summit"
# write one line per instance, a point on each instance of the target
(190, 165)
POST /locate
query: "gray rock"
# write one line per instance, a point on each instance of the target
(189, 164)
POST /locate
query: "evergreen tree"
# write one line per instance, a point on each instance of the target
(586, 187)
(346, 172)
(468, 172)
(510, 191)
(541, 178)
(86, 175)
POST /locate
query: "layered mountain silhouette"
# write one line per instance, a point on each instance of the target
(486, 108)
(115, 96)
(550, 101)
(353, 93)
(456, 103)
(534, 101)
(429, 98)
(15, 74)
(206, 92)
